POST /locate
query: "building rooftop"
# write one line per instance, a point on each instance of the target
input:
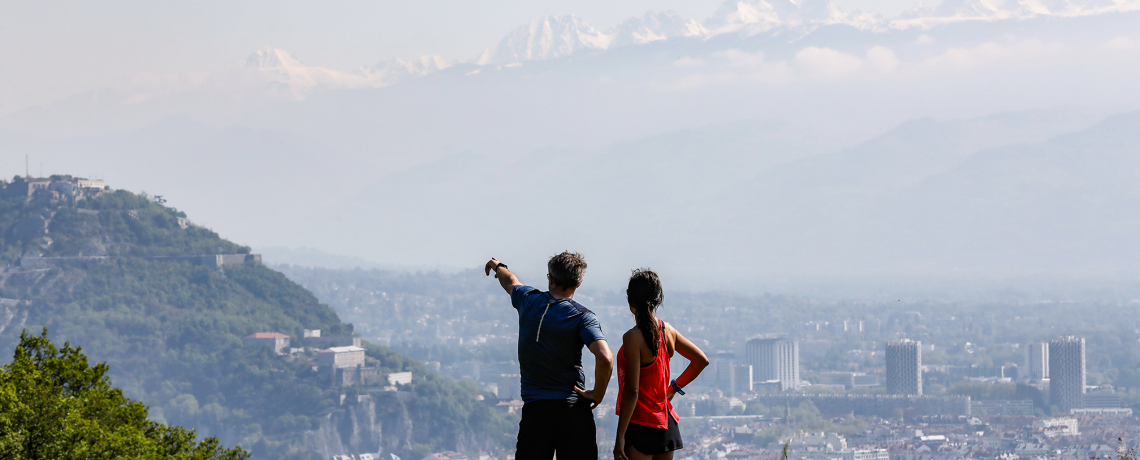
(266, 335)
(341, 349)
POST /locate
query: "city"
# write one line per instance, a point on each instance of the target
(851, 389)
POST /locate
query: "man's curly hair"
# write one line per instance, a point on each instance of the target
(567, 269)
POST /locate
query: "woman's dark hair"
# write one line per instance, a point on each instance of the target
(645, 295)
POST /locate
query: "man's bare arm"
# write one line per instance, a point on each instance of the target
(603, 368)
(505, 277)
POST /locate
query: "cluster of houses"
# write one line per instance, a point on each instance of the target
(926, 438)
(54, 189)
(341, 361)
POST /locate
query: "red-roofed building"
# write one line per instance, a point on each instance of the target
(277, 341)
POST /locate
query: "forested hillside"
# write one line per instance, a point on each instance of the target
(85, 268)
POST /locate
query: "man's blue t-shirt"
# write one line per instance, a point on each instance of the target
(552, 333)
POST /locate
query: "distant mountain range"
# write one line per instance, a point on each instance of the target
(769, 142)
(560, 36)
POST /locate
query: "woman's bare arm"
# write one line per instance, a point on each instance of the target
(697, 359)
(631, 344)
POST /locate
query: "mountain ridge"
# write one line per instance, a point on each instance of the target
(551, 37)
(125, 278)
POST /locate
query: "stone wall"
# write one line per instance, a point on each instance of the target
(213, 261)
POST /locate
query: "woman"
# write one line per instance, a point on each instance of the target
(647, 423)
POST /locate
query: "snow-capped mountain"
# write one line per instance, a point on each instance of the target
(545, 38)
(654, 27)
(989, 10)
(398, 70)
(557, 36)
(282, 69)
(755, 16)
(298, 79)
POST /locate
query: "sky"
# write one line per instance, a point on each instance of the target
(51, 50)
(838, 155)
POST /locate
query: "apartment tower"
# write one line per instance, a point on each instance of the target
(775, 359)
(1067, 372)
(904, 367)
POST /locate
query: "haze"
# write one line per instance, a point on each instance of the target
(743, 145)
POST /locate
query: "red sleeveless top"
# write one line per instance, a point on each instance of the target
(653, 406)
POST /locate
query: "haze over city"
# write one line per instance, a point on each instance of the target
(346, 230)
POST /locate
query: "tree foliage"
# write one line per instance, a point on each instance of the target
(54, 405)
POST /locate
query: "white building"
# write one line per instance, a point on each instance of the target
(775, 359)
(90, 183)
(1053, 427)
(341, 357)
(400, 378)
(1106, 411)
(332, 360)
(867, 454)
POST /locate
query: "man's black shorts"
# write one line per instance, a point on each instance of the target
(555, 425)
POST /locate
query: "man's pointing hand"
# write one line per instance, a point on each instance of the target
(491, 265)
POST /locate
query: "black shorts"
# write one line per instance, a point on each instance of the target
(556, 425)
(652, 441)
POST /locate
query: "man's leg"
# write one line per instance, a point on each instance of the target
(579, 440)
(536, 433)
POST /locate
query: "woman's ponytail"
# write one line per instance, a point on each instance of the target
(645, 295)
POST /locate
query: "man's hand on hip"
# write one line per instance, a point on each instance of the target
(594, 396)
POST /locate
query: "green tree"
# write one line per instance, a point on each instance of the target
(770, 435)
(54, 405)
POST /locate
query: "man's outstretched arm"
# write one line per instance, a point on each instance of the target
(505, 277)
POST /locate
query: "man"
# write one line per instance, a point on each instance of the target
(557, 413)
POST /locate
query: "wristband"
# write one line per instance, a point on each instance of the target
(676, 388)
(500, 264)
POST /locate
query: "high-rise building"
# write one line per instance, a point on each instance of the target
(904, 367)
(775, 360)
(1037, 361)
(1066, 372)
(722, 374)
(741, 379)
(720, 369)
(732, 378)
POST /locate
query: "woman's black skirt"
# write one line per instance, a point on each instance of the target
(653, 441)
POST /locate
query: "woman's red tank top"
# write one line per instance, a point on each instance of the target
(653, 406)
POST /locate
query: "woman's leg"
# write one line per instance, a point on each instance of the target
(635, 454)
(665, 456)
